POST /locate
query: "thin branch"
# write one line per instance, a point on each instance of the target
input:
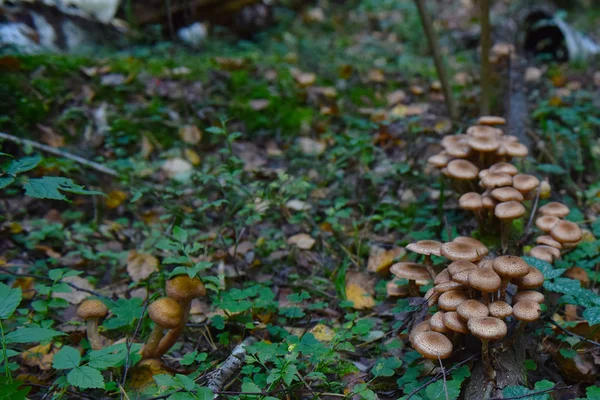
(230, 366)
(551, 321)
(47, 387)
(129, 342)
(47, 279)
(557, 387)
(60, 153)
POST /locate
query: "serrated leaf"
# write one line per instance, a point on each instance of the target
(23, 164)
(66, 358)
(110, 356)
(593, 393)
(518, 391)
(592, 315)
(437, 391)
(250, 387)
(9, 300)
(50, 187)
(545, 267)
(85, 377)
(5, 181)
(204, 393)
(29, 335)
(563, 285)
(12, 390)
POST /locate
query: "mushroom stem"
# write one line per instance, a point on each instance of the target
(504, 234)
(429, 266)
(167, 341)
(92, 334)
(503, 288)
(153, 341)
(413, 289)
(485, 356)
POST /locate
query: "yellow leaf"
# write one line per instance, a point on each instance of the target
(142, 375)
(192, 156)
(40, 356)
(190, 134)
(322, 333)
(140, 266)
(115, 198)
(26, 286)
(15, 227)
(359, 297)
(380, 259)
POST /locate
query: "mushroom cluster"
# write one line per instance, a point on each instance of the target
(469, 297)
(504, 191)
(559, 234)
(482, 145)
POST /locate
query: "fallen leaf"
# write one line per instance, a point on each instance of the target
(322, 333)
(190, 134)
(380, 260)
(40, 356)
(115, 198)
(302, 241)
(47, 250)
(177, 167)
(298, 205)
(259, 104)
(50, 137)
(230, 63)
(359, 290)
(311, 147)
(192, 156)
(26, 285)
(395, 97)
(141, 265)
(376, 75)
(304, 79)
(402, 111)
(75, 296)
(147, 147)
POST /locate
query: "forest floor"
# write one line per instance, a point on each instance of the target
(283, 171)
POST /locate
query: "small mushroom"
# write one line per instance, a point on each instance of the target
(582, 276)
(437, 323)
(455, 323)
(507, 193)
(555, 209)
(532, 295)
(566, 232)
(92, 311)
(500, 309)
(481, 248)
(549, 241)
(450, 300)
(413, 272)
(532, 280)
(166, 314)
(506, 213)
(457, 251)
(486, 281)
(525, 183)
(526, 311)
(426, 248)
(545, 223)
(472, 309)
(505, 168)
(491, 120)
(496, 179)
(509, 267)
(545, 253)
(486, 329)
(433, 345)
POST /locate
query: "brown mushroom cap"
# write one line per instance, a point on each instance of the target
(483, 131)
(484, 280)
(487, 328)
(548, 241)
(481, 248)
(545, 253)
(484, 144)
(525, 183)
(165, 312)
(440, 160)
(509, 210)
(532, 280)
(425, 247)
(433, 345)
(432, 297)
(529, 295)
(515, 149)
(555, 209)
(489, 202)
(411, 271)
(546, 222)
(455, 323)
(458, 266)
(472, 309)
(500, 309)
(448, 301)
(579, 274)
(442, 277)
(419, 328)
(566, 232)
(462, 170)
(448, 286)
(496, 179)
(510, 266)
(491, 120)
(182, 287)
(437, 322)
(507, 193)
(505, 168)
(92, 309)
(394, 290)
(456, 251)
(527, 310)
(470, 201)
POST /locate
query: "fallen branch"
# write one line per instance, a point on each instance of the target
(230, 367)
(60, 153)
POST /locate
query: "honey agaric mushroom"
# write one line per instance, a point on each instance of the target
(486, 329)
(432, 297)
(462, 171)
(532, 295)
(412, 272)
(505, 168)
(515, 149)
(486, 281)
(496, 179)
(506, 213)
(486, 146)
(426, 248)
(440, 160)
(526, 311)
(545, 223)
(472, 309)
(579, 274)
(483, 131)
(509, 267)
(433, 345)
(525, 183)
(437, 323)
(491, 120)
(92, 311)
(448, 301)
(545, 253)
(472, 201)
(500, 309)
(548, 241)
(166, 314)
(442, 277)
(454, 322)
(458, 266)
(532, 280)
(456, 251)
(481, 248)
(448, 286)
(419, 328)
(566, 232)
(506, 193)
(555, 209)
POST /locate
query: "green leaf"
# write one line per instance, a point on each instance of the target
(386, 366)
(5, 181)
(12, 390)
(9, 300)
(113, 356)
(249, 387)
(23, 164)
(50, 187)
(180, 234)
(125, 312)
(563, 285)
(66, 358)
(29, 335)
(593, 393)
(437, 391)
(204, 393)
(86, 378)
(516, 391)
(551, 169)
(592, 315)
(545, 267)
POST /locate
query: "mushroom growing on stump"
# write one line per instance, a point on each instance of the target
(486, 281)
(426, 248)
(486, 329)
(506, 213)
(413, 272)
(457, 251)
(500, 309)
(509, 267)
(92, 311)
(432, 345)
(526, 311)
(166, 314)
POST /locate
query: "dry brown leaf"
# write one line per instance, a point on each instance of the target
(141, 265)
(50, 137)
(40, 356)
(115, 198)
(49, 251)
(75, 296)
(302, 241)
(380, 260)
(304, 79)
(230, 63)
(298, 205)
(401, 111)
(190, 134)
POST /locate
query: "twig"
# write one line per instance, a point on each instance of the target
(525, 396)
(70, 392)
(551, 321)
(437, 59)
(232, 364)
(45, 278)
(60, 153)
(443, 370)
(533, 209)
